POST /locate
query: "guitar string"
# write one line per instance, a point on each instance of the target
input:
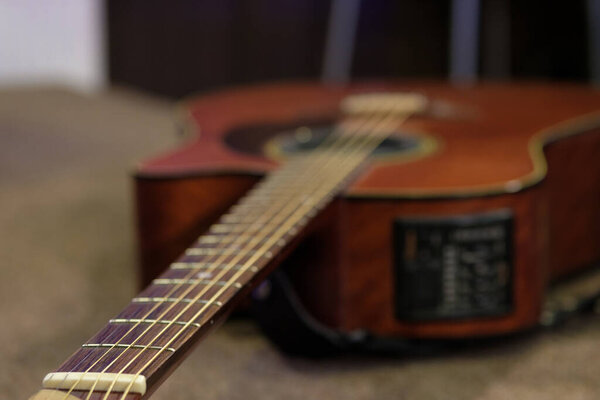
(156, 306)
(191, 273)
(200, 312)
(370, 145)
(284, 228)
(259, 186)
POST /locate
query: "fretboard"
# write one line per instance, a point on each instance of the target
(163, 322)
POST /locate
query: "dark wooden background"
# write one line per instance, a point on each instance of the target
(180, 47)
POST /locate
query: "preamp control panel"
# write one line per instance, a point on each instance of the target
(453, 267)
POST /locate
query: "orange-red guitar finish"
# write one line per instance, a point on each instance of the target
(532, 149)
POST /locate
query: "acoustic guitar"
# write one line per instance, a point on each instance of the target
(417, 210)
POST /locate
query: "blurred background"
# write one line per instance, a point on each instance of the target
(178, 47)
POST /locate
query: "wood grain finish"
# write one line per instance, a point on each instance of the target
(178, 212)
(367, 287)
(491, 137)
(573, 191)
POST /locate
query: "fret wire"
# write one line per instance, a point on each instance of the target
(195, 317)
(126, 346)
(173, 300)
(149, 321)
(177, 334)
(209, 251)
(227, 228)
(239, 227)
(216, 239)
(244, 219)
(175, 281)
(235, 219)
(201, 265)
(252, 267)
(241, 206)
(113, 335)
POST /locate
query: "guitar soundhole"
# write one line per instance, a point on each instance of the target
(279, 142)
(305, 138)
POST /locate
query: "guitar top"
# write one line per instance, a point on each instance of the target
(485, 139)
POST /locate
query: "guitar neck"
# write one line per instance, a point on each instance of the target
(136, 349)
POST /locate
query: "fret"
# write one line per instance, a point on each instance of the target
(271, 222)
(200, 278)
(238, 219)
(175, 300)
(127, 346)
(152, 321)
(303, 199)
(284, 173)
(260, 197)
(214, 239)
(270, 197)
(234, 218)
(163, 281)
(239, 238)
(204, 265)
(135, 337)
(242, 225)
(242, 257)
(271, 193)
(243, 207)
(168, 308)
(106, 359)
(211, 251)
(132, 334)
(256, 207)
(235, 228)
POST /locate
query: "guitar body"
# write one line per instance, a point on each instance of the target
(455, 229)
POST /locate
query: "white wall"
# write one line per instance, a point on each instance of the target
(52, 42)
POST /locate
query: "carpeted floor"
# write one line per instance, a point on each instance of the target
(67, 265)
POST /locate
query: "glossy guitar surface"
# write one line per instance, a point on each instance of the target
(398, 211)
(455, 228)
